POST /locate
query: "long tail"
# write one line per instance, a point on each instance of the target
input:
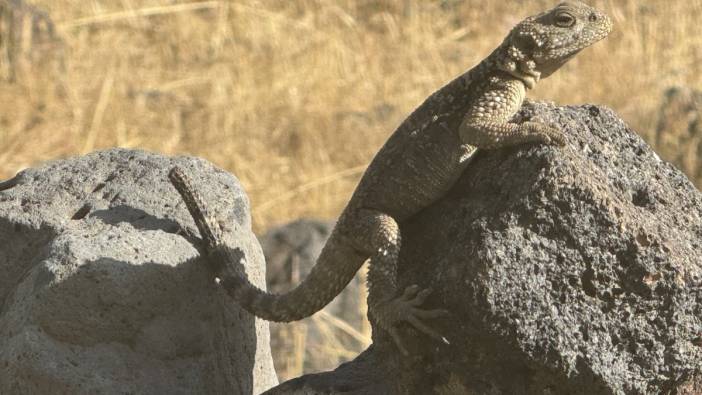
(336, 266)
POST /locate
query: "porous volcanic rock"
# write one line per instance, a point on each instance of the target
(103, 292)
(573, 270)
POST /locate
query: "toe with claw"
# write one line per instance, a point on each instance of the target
(406, 309)
(546, 133)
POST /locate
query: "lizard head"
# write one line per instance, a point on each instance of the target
(540, 44)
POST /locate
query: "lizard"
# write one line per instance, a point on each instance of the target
(416, 166)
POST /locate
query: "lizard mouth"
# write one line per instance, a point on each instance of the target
(549, 66)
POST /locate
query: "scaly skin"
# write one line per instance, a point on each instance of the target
(417, 165)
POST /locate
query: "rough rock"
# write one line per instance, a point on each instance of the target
(102, 292)
(572, 270)
(326, 339)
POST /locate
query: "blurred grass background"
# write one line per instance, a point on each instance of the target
(296, 97)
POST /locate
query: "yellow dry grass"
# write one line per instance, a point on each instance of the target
(295, 97)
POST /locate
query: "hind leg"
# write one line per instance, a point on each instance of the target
(379, 235)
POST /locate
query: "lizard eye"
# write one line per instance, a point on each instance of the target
(565, 19)
(593, 17)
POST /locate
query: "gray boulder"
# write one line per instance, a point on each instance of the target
(102, 292)
(572, 270)
(333, 336)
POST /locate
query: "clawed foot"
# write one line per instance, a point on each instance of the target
(546, 134)
(406, 308)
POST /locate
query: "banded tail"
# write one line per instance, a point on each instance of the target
(336, 266)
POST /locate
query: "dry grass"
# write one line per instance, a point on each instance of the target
(295, 97)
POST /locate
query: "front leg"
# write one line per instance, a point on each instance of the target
(492, 135)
